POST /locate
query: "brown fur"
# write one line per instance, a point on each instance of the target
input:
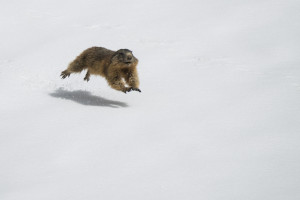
(118, 67)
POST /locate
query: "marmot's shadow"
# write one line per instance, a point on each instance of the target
(86, 98)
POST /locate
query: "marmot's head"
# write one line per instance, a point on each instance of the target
(124, 56)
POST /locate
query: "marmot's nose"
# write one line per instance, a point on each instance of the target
(129, 57)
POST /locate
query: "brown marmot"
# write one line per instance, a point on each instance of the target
(118, 67)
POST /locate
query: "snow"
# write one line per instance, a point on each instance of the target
(218, 116)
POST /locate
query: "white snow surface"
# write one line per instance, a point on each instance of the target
(218, 116)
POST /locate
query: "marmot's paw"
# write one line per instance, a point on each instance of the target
(129, 89)
(64, 75)
(135, 89)
(86, 79)
(125, 90)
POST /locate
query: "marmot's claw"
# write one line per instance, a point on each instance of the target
(136, 89)
(129, 89)
(63, 75)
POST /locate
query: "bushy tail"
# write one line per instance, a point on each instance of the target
(74, 67)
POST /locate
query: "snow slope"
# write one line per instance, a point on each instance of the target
(218, 116)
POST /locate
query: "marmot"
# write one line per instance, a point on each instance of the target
(118, 67)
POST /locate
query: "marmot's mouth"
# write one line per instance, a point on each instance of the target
(127, 62)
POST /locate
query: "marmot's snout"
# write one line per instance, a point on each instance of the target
(128, 59)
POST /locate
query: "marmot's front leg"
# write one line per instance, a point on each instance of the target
(133, 81)
(117, 83)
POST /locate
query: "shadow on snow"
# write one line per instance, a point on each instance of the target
(86, 98)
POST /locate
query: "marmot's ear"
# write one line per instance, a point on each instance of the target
(114, 57)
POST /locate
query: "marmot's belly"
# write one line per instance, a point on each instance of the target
(97, 68)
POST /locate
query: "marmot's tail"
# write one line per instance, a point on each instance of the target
(76, 66)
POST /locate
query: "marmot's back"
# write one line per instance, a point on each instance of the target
(96, 59)
(90, 55)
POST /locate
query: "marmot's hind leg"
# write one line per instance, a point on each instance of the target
(74, 67)
(65, 74)
(87, 76)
